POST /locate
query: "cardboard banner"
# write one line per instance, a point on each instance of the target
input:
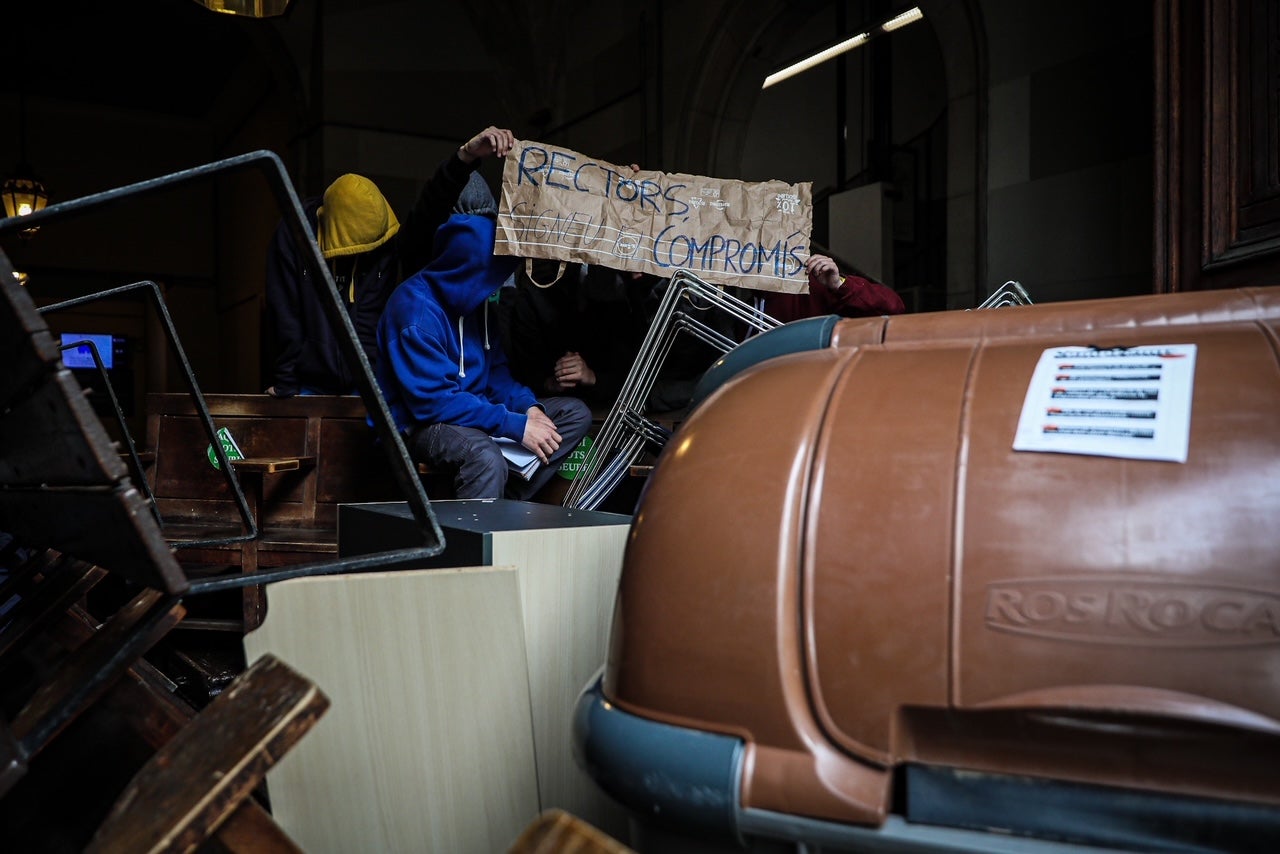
(565, 206)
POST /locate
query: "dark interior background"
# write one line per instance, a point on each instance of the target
(995, 140)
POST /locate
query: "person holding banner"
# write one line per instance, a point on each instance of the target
(368, 252)
(833, 293)
(445, 377)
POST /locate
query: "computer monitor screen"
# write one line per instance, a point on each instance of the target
(80, 356)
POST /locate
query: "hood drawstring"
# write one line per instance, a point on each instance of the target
(462, 371)
(351, 285)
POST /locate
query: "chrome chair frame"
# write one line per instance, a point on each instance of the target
(1010, 293)
(626, 431)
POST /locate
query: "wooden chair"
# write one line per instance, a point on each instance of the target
(196, 786)
(74, 521)
(149, 703)
(67, 499)
(200, 778)
(558, 832)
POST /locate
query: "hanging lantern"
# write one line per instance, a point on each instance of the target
(23, 194)
(247, 8)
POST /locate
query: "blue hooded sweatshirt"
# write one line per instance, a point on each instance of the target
(435, 365)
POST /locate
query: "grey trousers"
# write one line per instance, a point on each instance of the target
(480, 470)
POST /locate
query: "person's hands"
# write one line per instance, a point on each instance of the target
(497, 142)
(822, 270)
(572, 370)
(540, 434)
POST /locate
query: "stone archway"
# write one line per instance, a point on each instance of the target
(745, 45)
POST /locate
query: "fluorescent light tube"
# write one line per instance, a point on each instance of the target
(820, 57)
(907, 17)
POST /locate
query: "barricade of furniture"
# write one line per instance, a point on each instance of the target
(89, 584)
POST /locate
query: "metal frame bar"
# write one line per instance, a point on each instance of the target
(135, 463)
(1010, 293)
(197, 397)
(626, 431)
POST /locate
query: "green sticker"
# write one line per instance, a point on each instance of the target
(577, 461)
(229, 447)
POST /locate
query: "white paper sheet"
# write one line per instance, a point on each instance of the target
(1132, 402)
(520, 459)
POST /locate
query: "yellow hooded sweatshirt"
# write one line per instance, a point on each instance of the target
(354, 217)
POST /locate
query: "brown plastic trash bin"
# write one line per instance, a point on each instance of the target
(850, 608)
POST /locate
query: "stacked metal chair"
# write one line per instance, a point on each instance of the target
(627, 433)
(1010, 293)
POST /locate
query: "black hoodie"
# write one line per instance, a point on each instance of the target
(308, 356)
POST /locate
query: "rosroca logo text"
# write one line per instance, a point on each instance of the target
(1124, 611)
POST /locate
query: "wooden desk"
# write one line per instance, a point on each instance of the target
(271, 465)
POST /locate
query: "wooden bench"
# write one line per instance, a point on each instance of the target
(305, 455)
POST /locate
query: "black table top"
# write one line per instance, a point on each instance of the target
(487, 515)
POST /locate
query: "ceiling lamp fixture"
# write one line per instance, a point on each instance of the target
(247, 8)
(901, 20)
